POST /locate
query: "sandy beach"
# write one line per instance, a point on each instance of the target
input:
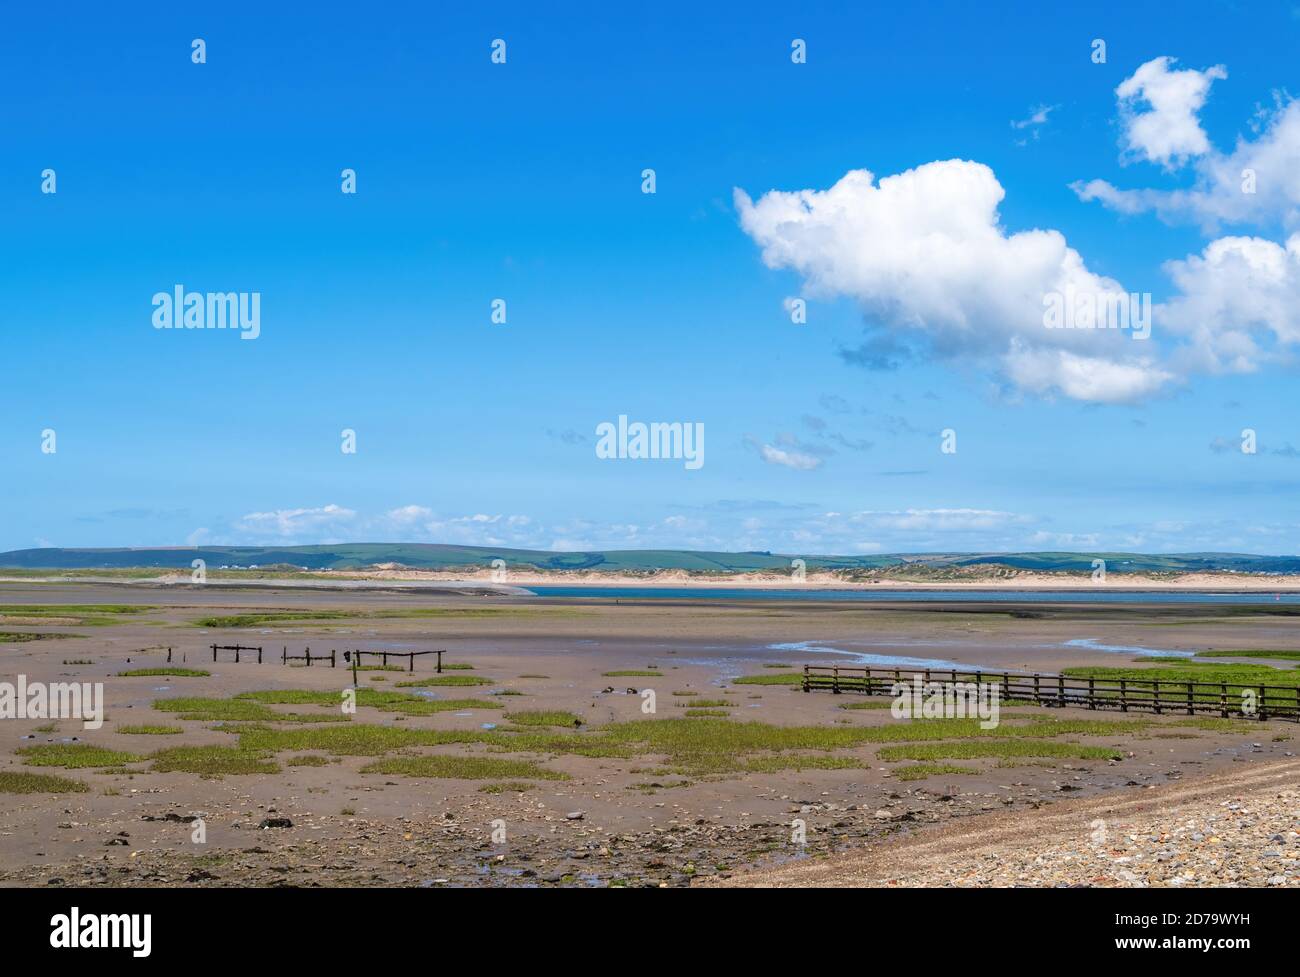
(581, 807)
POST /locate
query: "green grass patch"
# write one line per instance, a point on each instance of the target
(800, 761)
(633, 673)
(283, 618)
(1172, 672)
(13, 782)
(1249, 653)
(703, 745)
(79, 615)
(354, 739)
(212, 761)
(545, 717)
(74, 756)
(705, 704)
(179, 672)
(444, 681)
(18, 637)
(240, 710)
(869, 704)
(794, 678)
(974, 749)
(308, 760)
(461, 768)
(919, 771)
(705, 713)
(150, 730)
(401, 702)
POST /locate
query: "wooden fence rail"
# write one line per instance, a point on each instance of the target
(306, 656)
(309, 658)
(236, 649)
(385, 655)
(1156, 695)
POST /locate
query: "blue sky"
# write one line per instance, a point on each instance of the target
(522, 181)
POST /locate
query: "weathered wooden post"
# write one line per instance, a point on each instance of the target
(1092, 692)
(440, 661)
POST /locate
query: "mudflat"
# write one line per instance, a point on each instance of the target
(567, 742)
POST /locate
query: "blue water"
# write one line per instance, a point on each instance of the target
(869, 658)
(973, 596)
(1092, 644)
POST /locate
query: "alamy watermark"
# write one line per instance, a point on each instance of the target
(637, 440)
(1074, 309)
(179, 309)
(53, 700)
(947, 700)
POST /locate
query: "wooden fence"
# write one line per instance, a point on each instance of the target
(1224, 699)
(307, 656)
(310, 659)
(235, 648)
(385, 655)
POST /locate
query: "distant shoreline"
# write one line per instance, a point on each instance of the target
(517, 584)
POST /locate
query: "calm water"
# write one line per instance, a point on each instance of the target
(984, 596)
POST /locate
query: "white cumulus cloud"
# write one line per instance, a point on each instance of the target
(1257, 182)
(1159, 109)
(925, 255)
(1238, 304)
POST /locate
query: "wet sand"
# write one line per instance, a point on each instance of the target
(638, 825)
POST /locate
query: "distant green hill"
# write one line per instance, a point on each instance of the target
(351, 556)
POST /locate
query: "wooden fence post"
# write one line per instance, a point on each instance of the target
(1155, 694)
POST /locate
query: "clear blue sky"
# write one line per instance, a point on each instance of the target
(522, 181)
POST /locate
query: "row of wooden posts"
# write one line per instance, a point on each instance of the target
(354, 656)
(1160, 696)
